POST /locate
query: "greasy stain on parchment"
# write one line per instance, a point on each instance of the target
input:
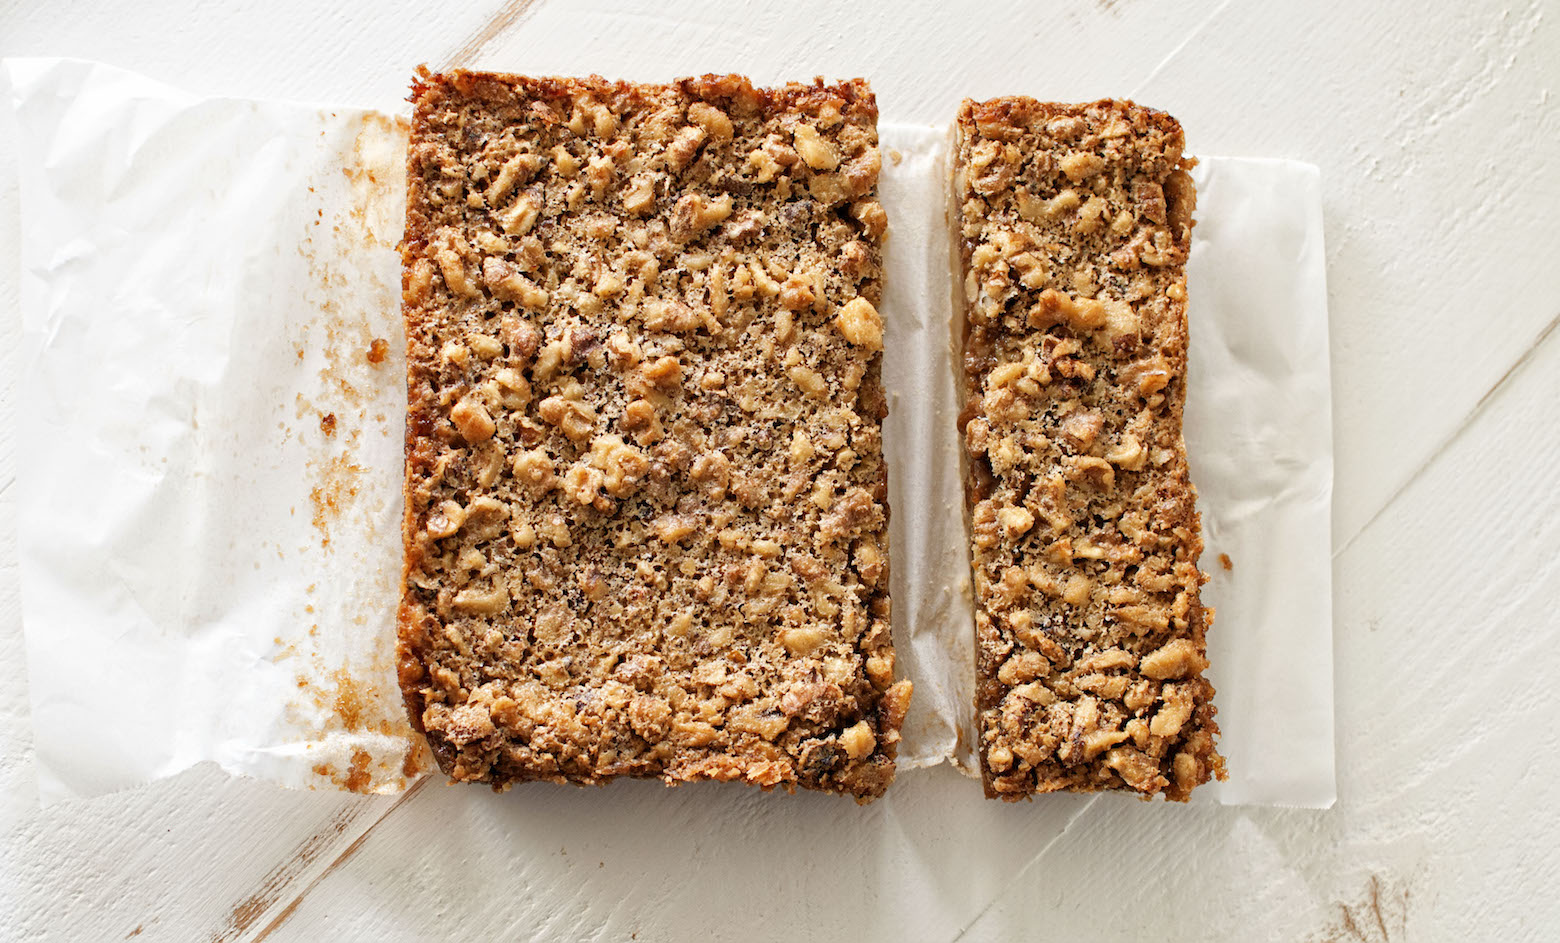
(349, 407)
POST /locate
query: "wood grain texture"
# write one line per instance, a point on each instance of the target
(504, 19)
(689, 863)
(1436, 149)
(1432, 149)
(280, 915)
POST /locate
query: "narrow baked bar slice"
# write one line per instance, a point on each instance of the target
(1073, 224)
(646, 504)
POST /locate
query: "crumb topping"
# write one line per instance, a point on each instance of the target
(646, 521)
(1073, 226)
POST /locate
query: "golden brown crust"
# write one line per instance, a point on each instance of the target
(1073, 226)
(646, 505)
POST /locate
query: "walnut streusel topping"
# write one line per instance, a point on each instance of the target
(1073, 225)
(646, 503)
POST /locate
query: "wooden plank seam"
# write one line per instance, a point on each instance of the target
(1467, 422)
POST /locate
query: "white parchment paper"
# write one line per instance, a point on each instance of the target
(1259, 437)
(212, 412)
(208, 519)
(1259, 441)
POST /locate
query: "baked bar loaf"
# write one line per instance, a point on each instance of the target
(1073, 224)
(646, 504)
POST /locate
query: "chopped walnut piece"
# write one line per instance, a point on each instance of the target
(1077, 590)
(469, 723)
(1095, 472)
(680, 153)
(796, 295)
(484, 346)
(520, 216)
(445, 520)
(1178, 708)
(1083, 428)
(577, 420)
(714, 121)
(858, 740)
(622, 466)
(663, 373)
(583, 484)
(507, 284)
(1177, 659)
(482, 602)
(485, 517)
(803, 641)
(518, 169)
(1015, 521)
(1081, 165)
(815, 151)
(694, 214)
(1128, 453)
(535, 468)
(872, 217)
(861, 324)
(1138, 769)
(639, 195)
(672, 316)
(809, 381)
(473, 421)
(453, 268)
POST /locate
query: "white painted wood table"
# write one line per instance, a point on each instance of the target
(1437, 129)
